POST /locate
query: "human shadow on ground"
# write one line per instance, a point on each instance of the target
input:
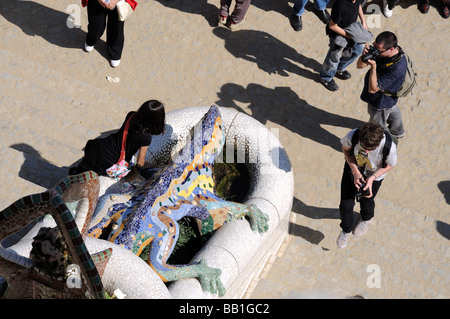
(201, 7)
(282, 7)
(312, 236)
(270, 54)
(40, 171)
(444, 187)
(283, 106)
(35, 19)
(441, 227)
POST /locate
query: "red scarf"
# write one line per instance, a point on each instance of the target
(132, 3)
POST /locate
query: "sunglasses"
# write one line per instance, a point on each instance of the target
(367, 148)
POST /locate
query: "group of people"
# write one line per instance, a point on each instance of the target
(364, 148)
(365, 163)
(320, 8)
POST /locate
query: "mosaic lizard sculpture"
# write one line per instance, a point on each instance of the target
(184, 187)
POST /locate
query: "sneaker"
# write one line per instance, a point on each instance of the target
(332, 86)
(361, 228)
(115, 63)
(296, 22)
(222, 20)
(88, 48)
(386, 11)
(342, 240)
(233, 25)
(343, 75)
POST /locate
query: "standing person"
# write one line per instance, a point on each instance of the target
(102, 14)
(343, 14)
(387, 73)
(363, 164)
(299, 7)
(237, 17)
(101, 153)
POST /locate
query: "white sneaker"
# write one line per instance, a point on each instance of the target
(361, 228)
(386, 12)
(88, 48)
(222, 20)
(115, 63)
(342, 240)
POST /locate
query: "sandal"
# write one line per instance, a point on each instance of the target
(424, 6)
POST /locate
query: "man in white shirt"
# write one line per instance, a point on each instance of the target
(364, 165)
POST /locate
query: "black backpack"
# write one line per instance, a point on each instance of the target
(387, 144)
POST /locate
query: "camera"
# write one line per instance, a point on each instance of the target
(372, 54)
(362, 192)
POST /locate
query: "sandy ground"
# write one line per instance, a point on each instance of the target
(55, 96)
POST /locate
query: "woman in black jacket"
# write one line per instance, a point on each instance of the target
(101, 153)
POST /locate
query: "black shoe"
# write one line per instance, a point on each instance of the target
(343, 75)
(296, 22)
(424, 5)
(332, 86)
(323, 15)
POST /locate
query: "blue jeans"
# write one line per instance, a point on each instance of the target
(334, 61)
(299, 6)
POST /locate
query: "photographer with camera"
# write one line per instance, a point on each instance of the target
(387, 72)
(363, 174)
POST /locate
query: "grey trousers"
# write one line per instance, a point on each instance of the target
(388, 118)
(239, 12)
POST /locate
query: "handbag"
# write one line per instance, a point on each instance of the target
(124, 10)
(121, 168)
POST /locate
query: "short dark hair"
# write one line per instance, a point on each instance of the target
(370, 135)
(388, 39)
(150, 118)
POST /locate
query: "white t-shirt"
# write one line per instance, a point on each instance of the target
(374, 160)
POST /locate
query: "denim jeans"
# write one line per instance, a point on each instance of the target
(299, 6)
(334, 61)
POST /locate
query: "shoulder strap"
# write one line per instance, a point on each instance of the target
(124, 139)
(387, 147)
(355, 138)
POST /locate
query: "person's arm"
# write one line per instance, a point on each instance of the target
(141, 158)
(376, 174)
(373, 78)
(334, 27)
(351, 161)
(361, 16)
